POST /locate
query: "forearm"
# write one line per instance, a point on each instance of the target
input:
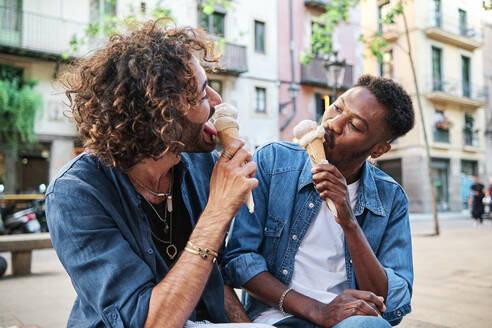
(173, 300)
(268, 289)
(233, 307)
(369, 273)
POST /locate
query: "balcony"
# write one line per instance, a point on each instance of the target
(234, 61)
(452, 91)
(319, 4)
(34, 34)
(314, 74)
(448, 30)
(389, 32)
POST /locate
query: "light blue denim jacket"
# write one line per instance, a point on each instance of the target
(103, 239)
(286, 203)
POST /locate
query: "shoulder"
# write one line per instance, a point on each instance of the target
(387, 185)
(200, 162)
(277, 157)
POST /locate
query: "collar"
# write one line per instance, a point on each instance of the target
(367, 195)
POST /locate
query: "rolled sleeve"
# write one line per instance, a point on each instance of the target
(241, 269)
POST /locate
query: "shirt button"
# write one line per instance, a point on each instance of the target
(311, 205)
(398, 313)
(350, 261)
(114, 316)
(294, 237)
(266, 229)
(150, 251)
(285, 271)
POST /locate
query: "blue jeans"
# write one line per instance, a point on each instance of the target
(356, 321)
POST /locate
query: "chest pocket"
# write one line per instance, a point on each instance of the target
(271, 233)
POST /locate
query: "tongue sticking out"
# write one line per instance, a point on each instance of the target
(209, 130)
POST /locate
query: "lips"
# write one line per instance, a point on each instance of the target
(209, 133)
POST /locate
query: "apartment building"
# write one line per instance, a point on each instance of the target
(305, 91)
(35, 33)
(446, 42)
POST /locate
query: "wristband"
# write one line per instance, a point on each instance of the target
(281, 301)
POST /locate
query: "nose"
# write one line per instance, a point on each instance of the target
(335, 124)
(214, 98)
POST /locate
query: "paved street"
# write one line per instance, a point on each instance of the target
(453, 281)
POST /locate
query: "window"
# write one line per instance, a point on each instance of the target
(383, 8)
(437, 84)
(436, 10)
(260, 96)
(441, 127)
(10, 21)
(465, 76)
(386, 65)
(101, 8)
(322, 104)
(216, 85)
(470, 134)
(463, 22)
(214, 23)
(259, 37)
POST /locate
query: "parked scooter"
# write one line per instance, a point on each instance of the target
(24, 220)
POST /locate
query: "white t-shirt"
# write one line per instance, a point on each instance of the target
(319, 264)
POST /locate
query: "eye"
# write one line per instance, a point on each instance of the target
(353, 126)
(204, 98)
(337, 109)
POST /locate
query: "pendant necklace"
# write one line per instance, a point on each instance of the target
(171, 249)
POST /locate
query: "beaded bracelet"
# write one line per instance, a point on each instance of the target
(281, 301)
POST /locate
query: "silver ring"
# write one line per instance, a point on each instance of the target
(226, 154)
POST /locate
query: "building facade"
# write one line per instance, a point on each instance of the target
(446, 41)
(35, 35)
(314, 91)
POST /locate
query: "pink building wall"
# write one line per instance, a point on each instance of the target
(347, 37)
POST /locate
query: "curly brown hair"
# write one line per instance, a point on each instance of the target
(130, 98)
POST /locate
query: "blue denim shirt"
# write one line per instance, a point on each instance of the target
(103, 240)
(286, 203)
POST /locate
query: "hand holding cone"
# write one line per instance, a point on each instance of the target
(225, 122)
(310, 137)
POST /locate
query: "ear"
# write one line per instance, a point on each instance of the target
(380, 149)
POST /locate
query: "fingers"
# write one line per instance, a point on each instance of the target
(361, 307)
(234, 146)
(369, 297)
(249, 169)
(325, 166)
(241, 156)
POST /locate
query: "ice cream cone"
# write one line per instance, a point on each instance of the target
(316, 151)
(228, 131)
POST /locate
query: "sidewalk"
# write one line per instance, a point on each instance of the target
(453, 280)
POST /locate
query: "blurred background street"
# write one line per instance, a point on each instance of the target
(453, 281)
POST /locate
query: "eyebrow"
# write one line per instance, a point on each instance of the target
(204, 85)
(342, 100)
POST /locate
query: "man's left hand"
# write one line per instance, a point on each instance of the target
(331, 184)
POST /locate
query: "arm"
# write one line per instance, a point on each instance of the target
(369, 272)
(175, 297)
(233, 308)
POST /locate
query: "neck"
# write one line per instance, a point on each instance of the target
(352, 173)
(154, 175)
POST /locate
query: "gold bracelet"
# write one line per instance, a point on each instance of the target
(202, 254)
(199, 249)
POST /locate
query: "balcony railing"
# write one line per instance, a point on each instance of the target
(37, 32)
(315, 74)
(449, 30)
(234, 61)
(318, 4)
(456, 91)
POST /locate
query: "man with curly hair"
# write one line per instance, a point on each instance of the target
(301, 264)
(137, 219)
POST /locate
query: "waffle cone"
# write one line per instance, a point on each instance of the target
(316, 151)
(226, 137)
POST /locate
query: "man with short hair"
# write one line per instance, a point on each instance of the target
(137, 220)
(301, 265)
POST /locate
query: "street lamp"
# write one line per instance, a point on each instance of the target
(335, 72)
(293, 91)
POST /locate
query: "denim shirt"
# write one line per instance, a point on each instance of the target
(286, 204)
(103, 239)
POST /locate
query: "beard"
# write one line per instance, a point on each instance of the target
(343, 158)
(192, 137)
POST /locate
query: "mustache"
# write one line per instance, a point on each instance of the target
(330, 137)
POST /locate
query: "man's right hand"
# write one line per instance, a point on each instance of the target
(232, 180)
(349, 303)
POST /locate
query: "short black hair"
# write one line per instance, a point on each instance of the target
(400, 116)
